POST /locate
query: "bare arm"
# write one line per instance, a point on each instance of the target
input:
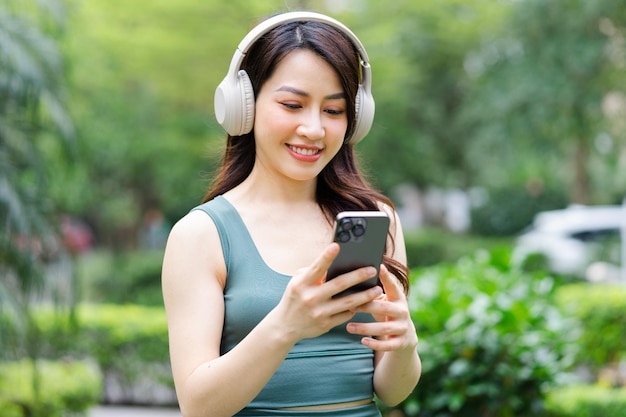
(193, 280)
(394, 337)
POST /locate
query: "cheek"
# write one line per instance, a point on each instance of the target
(336, 130)
(335, 144)
(268, 121)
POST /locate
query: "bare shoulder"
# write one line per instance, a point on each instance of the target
(194, 225)
(194, 241)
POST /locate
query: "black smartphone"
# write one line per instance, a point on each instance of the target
(361, 235)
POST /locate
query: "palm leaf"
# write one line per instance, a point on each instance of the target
(30, 102)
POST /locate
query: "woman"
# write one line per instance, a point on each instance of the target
(254, 328)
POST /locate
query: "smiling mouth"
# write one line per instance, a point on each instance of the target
(304, 151)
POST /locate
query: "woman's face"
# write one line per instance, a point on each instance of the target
(300, 117)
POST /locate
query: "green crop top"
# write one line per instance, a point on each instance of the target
(332, 368)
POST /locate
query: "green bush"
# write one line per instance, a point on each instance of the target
(491, 338)
(601, 309)
(114, 333)
(128, 342)
(586, 401)
(63, 387)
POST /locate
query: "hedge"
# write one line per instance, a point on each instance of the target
(64, 387)
(128, 342)
(586, 401)
(601, 309)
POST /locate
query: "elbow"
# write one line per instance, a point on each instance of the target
(206, 404)
(197, 406)
(397, 393)
(187, 409)
(391, 403)
(393, 399)
(195, 410)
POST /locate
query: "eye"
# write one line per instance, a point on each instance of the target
(335, 112)
(291, 106)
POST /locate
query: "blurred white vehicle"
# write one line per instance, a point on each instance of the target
(573, 238)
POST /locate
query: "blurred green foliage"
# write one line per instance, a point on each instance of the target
(128, 342)
(432, 246)
(598, 307)
(133, 277)
(128, 329)
(455, 99)
(32, 119)
(509, 210)
(586, 401)
(64, 387)
(543, 85)
(492, 339)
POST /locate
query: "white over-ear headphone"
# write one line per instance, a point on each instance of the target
(234, 97)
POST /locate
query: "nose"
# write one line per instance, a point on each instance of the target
(311, 125)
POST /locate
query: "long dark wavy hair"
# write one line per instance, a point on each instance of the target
(340, 185)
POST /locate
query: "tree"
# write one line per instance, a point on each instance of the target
(542, 82)
(422, 86)
(32, 117)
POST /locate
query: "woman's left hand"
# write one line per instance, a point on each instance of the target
(393, 329)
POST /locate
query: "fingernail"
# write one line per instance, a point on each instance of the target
(371, 271)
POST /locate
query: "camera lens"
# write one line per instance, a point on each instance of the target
(358, 230)
(343, 236)
(346, 224)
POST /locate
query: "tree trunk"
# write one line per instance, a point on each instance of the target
(581, 192)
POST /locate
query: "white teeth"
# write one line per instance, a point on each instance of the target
(302, 151)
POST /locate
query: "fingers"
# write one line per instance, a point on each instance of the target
(310, 286)
(387, 335)
(393, 328)
(316, 272)
(390, 344)
(392, 286)
(353, 302)
(379, 329)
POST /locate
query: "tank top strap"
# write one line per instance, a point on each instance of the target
(230, 227)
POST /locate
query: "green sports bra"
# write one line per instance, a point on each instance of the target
(332, 368)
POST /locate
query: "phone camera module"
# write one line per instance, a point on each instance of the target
(351, 229)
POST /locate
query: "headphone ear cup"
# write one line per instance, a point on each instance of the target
(222, 104)
(247, 101)
(234, 104)
(365, 109)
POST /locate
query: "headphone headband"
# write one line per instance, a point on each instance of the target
(234, 97)
(281, 19)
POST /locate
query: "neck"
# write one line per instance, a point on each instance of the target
(260, 187)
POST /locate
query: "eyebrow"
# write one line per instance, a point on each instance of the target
(336, 96)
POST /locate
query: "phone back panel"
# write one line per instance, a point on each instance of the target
(361, 236)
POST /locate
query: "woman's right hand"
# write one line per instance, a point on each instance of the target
(308, 309)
